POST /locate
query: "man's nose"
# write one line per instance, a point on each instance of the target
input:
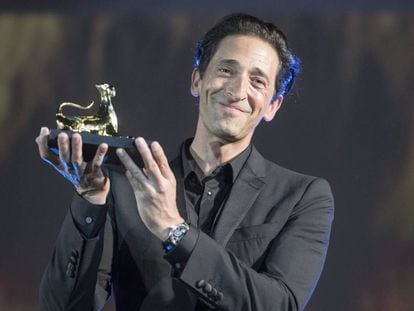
(236, 88)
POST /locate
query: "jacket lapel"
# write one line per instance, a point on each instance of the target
(243, 194)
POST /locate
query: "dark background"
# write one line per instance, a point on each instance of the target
(349, 119)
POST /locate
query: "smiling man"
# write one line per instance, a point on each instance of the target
(236, 91)
(218, 227)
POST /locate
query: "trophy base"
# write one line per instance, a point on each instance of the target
(90, 143)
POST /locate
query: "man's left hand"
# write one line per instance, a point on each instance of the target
(154, 187)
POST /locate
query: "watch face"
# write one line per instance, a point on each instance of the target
(176, 234)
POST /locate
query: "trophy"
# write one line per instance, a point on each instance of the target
(101, 127)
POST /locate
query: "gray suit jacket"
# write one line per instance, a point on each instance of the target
(266, 251)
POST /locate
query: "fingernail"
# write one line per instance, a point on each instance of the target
(155, 145)
(120, 152)
(141, 141)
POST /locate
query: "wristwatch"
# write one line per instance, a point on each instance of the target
(175, 235)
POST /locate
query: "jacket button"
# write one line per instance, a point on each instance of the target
(70, 273)
(207, 288)
(200, 283)
(213, 293)
(73, 260)
(75, 253)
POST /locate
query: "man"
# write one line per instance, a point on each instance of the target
(218, 227)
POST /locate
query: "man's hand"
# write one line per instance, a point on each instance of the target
(154, 188)
(88, 178)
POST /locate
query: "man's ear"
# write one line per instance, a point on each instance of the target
(273, 108)
(195, 82)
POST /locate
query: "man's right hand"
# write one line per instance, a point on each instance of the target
(88, 178)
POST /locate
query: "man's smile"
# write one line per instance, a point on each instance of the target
(233, 108)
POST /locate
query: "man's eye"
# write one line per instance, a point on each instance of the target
(259, 82)
(224, 70)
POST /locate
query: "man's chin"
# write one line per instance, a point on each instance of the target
(228, 136)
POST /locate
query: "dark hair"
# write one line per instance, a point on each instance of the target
(244, 24)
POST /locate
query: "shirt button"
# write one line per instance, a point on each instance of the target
(88, 220)
(209, 193)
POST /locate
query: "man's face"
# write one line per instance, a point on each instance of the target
(237, 88)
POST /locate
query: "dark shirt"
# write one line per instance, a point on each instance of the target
(206, 195)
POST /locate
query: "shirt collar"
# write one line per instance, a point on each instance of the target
(190, 165)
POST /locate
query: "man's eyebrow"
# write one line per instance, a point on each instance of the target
(231, 62)
(236, 64)
(259, 72)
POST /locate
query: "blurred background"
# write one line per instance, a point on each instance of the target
(349, 119)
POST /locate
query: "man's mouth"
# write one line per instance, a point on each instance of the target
(232, 107)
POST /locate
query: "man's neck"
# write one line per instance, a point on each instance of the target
(209, 153)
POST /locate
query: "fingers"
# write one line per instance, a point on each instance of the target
(156, 164)
(69, 162)
(151, 166)
(99, 157)
(133, 173)
(92, 177)
(64, 148)
(161, 159)
(41, 142)
(77, 157)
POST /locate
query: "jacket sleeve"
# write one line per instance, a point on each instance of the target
(289, 272)
(77, 276)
